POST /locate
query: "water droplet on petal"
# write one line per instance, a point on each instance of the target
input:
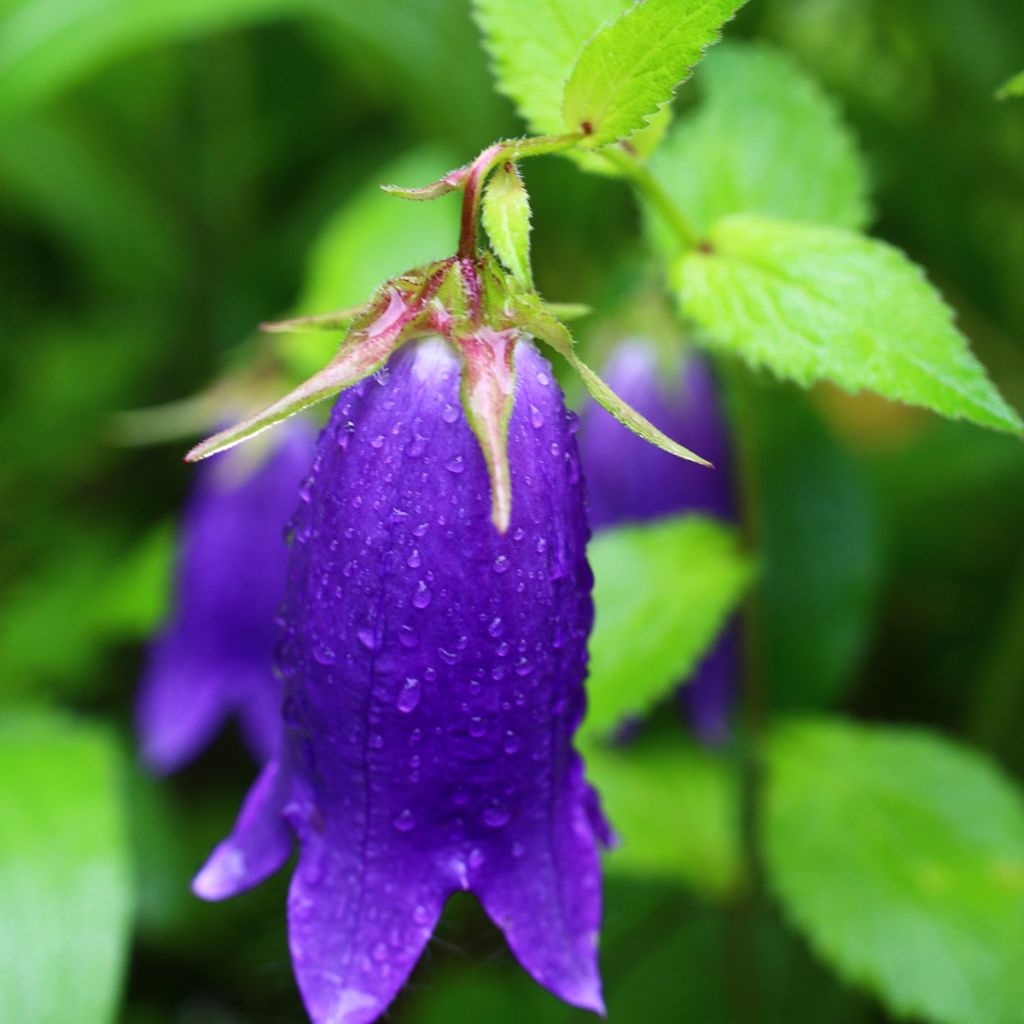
(369, 638)
(448, 657)
(325, 654)
(377, 442)
(407, 637)
(495, 816)
(422, 595)
(501, 564)
(496, 628)
(409, 698)
(536, 417)
(512, 742)
(450, 413)
(415, 559)
(456, 464)
(404, 822)
(543, 379)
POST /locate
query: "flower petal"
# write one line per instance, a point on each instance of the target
(259, 844)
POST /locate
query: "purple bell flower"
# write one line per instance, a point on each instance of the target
(629, 480)
(433, 670)
(214, 659)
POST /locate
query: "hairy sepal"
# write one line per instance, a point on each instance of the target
(534, 317)
(366, 348)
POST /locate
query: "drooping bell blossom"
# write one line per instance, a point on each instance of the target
(631, 481)
(214, 658)
(434, 679)
(435, 643)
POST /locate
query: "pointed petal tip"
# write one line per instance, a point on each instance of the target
(219, 878)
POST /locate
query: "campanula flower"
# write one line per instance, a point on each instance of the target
(433, 668)
(214, 657)
(629, 480)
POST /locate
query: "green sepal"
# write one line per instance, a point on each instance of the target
(533, 316)
(506, 219)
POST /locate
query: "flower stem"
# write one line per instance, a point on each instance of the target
(481, 167)
(650, 188)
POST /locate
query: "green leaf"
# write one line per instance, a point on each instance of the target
(676, 811)
(65, 883)
(662, 592)
(506, 219)
(815, 303)
(47, 45)
(1013, 88)
(533, 47)
(901, 858)
(630, 69)
(767, 140)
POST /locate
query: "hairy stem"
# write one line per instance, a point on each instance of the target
(481, 167)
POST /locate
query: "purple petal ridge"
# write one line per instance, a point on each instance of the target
(215, 656)
(434, 674)
(629, 480)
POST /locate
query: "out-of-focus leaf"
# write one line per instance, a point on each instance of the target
(820, 546)
(816, 303)
(370, 238)
(534, 47)
(135, 595)
(68, 178)
(47, 45)
(901, 858)
(65, 881)
(662, 592)
(1013, 88)
(766, 140)
(676, 811)
(630, 68)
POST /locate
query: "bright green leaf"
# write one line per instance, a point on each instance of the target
(662, 592)
(1013, 88)
(901, 858)
(630, 69)
(65, 883)
(676, 811)
(534, 46)
(767, 140)
(506, 219)
(816, 303)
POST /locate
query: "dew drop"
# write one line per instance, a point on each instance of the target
(377, 442)
(512, 742)
(496, 628)
(422, 595)
(416, 447)
(475, 858)
(477, 727)
(536, 417)
(325, 654)
(409, 698)
(543, 379)
(420, 529)
(523, 667)
(495, 816)
(455, 465)
(501, 564)
(415, 559)
(448, 657)
(404, 822)
(421, 915)
(369, 638)
(450, 413)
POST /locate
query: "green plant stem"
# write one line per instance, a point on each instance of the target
(476, 176)
(650, 188)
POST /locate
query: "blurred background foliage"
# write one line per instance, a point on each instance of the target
(172, 172)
